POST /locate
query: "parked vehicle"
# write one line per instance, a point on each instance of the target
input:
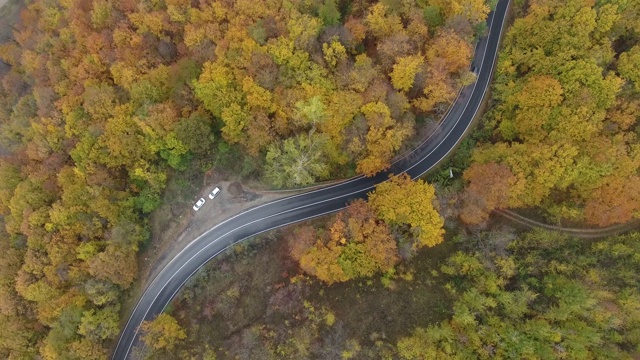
(214, 193)
(198, 204)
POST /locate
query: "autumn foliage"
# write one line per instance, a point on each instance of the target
(318, 96)
(402, 201)
(363, 239)
(488, 189)
(102, 103)
(356, 244)
(566, 117)
(163, 332)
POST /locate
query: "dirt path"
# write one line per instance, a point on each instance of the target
(589, 233)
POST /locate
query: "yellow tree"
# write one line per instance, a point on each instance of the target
(334, 52)
(380, 23)
(362, 74)
(402, 201)
(163, 332)
(438, 86)
(121, 140)
(322, 262)
(535, 105)
(178, 10)
(341, 109)
(384, 137)
(624, 114)
(367, 244)
(537, 167)
(235, 118)
(453, 49)
(628, 65)
(155, 22)
(475, 10)
(217, 88)
(117, 264)
(405, 70)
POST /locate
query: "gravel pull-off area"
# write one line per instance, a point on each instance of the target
(175, 225)
(173, 235)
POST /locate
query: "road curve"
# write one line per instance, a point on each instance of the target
(319, 202)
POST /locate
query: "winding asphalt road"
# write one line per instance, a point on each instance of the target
(318, 202)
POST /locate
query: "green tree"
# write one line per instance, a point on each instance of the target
(628, 66)
(529, 302)
(99, 101)
(329, 13)
(433, 16)
(101, 292)
(195, 133)
(299, 161)
(312, 112)
(100, 324)
(10, 177)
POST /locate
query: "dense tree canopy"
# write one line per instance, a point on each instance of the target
(566, 116)
(280, 75)
(547, 297)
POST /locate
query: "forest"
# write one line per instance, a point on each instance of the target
(562, 134)
(543, 296)
(103, 103)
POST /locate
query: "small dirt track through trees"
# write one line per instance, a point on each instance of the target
(595, 233)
